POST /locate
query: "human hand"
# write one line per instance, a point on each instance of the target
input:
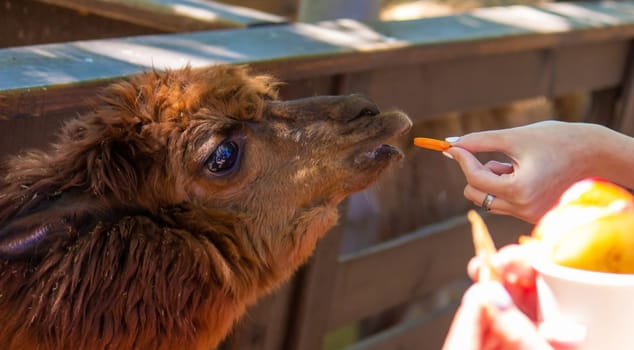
(488, 319)
(503, 315)
(545, 159)
(516, 275)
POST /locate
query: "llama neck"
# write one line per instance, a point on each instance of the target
(132, 284)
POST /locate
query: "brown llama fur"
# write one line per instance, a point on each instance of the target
(156, 219)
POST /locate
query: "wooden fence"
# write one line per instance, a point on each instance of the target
(431, 69)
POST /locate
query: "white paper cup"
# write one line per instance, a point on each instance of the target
(602, 302)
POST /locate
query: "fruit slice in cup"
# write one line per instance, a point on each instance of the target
(591, 228)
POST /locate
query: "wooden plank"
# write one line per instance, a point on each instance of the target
(310, 324)
(319, 10)
(603, 106)
(323, 85)
(453, 85)
(36, 116)
(264, 325)
(607, 59)
(173, 15)
(284, 8)
(625, 114)
(425, 332)
(66, 100)
(29, 132)
(415, 265)
(428, 90)
(321, 49)
(28, 22)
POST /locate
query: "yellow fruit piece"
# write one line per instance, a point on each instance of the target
(593, 192)
(592, 228)
(606, 244)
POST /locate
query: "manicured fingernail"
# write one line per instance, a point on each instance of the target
(452, 139)
(564, 332)
(447, 154)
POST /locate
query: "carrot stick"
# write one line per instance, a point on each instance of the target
(433, 144)
(484, 247)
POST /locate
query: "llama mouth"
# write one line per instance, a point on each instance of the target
(381, 153)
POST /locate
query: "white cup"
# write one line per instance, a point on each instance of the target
(602, 302)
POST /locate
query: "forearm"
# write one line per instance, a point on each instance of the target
(614, 157)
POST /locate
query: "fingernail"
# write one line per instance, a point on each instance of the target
(498, 296)
(452, 139)
(492, 293)
(447, 154)
(565, 332)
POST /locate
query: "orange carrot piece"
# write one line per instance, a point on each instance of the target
(433, 144)
(484, 247)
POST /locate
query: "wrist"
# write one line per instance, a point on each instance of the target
(611, 155)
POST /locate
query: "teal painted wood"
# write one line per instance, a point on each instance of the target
(554, 24)
(512, 21)
(52, 64)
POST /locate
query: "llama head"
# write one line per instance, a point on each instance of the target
(215, 140)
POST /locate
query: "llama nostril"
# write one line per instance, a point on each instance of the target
(367, 112)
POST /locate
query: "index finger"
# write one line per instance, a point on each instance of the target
(485, 141)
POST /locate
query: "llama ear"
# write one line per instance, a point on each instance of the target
(25, 238)
(33, 235)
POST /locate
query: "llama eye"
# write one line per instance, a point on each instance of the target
(223, 158)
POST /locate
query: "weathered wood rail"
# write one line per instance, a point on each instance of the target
(428, 67)
(173, 15)
(31, 22)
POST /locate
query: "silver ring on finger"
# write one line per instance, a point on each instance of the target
(486, 203)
